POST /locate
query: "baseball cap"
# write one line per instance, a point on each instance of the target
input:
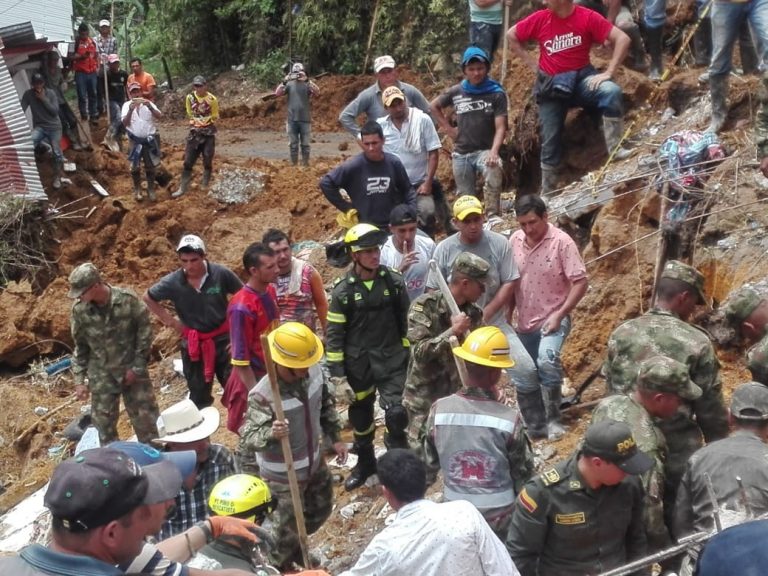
(82, 278)
(103, 484)
(192, 242)
(738, 550)
(114, 58)
(612, 441)
(750, 401)
(402, 214)
(133, 86)
(104, 22)
(466, 205)
(37, 78)
(297, 68)
(471, 266)
(199, 81)
(391, 94)
(678, 271)
(741, 304)
(146, 455)
(664, 374)
(383, 62)
(474, 53)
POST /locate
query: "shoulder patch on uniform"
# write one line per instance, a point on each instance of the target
(574, 485)
(337, 280)
(527, 502)
(417, 307)
(570, 519)
(550, 477)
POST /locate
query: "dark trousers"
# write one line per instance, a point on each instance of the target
(196, 145)
(200, 391)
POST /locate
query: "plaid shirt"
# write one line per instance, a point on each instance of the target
(106, 45)
(192, 505)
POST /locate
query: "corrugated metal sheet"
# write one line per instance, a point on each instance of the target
(50, 18)
(17, 34)
(18, 170)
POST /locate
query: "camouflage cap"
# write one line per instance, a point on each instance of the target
(663, 374)
(471, 266)
(750, 401)
(741, 304)
(82, 278)
(688, 274)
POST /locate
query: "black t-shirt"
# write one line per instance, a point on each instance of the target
(116, 84)
(476, 117)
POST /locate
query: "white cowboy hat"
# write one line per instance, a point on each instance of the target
(183, 422)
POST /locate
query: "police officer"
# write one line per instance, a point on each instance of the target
(664, 331)
(584, 515)
(747, 312)
(367, 342)
(432, 373)
(112, 334)
(478, 442)
(310, 412)
(662, 384)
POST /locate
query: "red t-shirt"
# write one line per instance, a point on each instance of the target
(564, 43)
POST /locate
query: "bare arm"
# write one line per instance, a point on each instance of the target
(432, 159)
(319, 298)
(613, 10)
(517, 48)
(505, 293)
(442, 121)
(500, 125)
(621, 44)
(162, 314)
(575, 294)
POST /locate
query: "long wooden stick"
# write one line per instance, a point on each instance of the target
(505, 45)
(27, 431)
(370, 36)
(662, 247)
(285, 443)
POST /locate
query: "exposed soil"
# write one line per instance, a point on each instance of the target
(133, 244)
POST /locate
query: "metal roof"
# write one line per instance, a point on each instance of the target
(51, 19)
(16, 34)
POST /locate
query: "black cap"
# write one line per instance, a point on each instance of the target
(613, 441)
(402, 214)
(37, 78)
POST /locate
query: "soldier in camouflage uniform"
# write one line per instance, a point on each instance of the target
(747, 311)
(662, 384)
(761, 127)
(743, 455)
(663, 331)
(477, 442)
(432, 372)
(309, 411)
(585, 514)
(112, 334)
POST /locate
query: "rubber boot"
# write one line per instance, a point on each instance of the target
(552, 400)
(747, 52)
(532, 410)
(56, 176)
(206, 179)
(186, 176)
(637, 50)
(305, 158)
(151, 186)
(136, 176)
(613, 131)
(718, 91)
(396, 421)
(653, 41)
(365, 467)
(295, 157)
(548, 178)
(702, 43)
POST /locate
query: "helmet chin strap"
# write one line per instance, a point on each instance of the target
(358, 263)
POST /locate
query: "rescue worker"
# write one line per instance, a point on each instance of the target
(747, 311)
(478, 442)
(366, 343)
(432, 372)
(662, 385)
(310, 412)
(585, 514)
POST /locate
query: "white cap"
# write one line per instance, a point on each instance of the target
(383, 62)
(104, 23)
(191, 241)
(298, 67)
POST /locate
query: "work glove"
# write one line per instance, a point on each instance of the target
(347, 219)
(342, 391)
(231, 526)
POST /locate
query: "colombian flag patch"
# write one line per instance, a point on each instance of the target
(527, 502)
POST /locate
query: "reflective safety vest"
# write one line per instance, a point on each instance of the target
(472, 438)
(305, 434)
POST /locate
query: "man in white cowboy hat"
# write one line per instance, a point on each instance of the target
(184, 427)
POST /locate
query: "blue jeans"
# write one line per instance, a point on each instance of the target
(465, 169)
(54, 139)
(655, 14)
(607, 99)
(485, 36)
(298, 132)
(727, 19)
(86, 94)
(545, 353)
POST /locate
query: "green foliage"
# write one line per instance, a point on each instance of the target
(268, 71)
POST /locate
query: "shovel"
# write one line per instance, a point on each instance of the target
(576, 398)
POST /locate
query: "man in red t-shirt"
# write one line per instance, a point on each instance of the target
(252, 312)
(565, 78)
(85, 63)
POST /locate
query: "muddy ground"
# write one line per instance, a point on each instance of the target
(133, 244)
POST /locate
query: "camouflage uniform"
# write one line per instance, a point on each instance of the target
(651, 441)
(109, 340)
(316, 489)
(432, 372)
(757, 361)
(739, 307)
(660, 332)
(761, 124)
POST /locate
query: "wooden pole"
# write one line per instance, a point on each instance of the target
(287, 454)
(662, 248)
(370, 36)
(505, 45)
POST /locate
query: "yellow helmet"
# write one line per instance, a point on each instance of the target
(486, 346)
(243, 496)
(294, 345)
(363, 237)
